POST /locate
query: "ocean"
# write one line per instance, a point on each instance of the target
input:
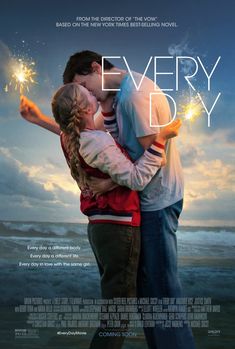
(206, 269)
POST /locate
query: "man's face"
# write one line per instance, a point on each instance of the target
(93, 82)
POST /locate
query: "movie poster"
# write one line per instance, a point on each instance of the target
(50, 291)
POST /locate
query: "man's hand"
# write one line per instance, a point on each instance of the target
(170, 131)
(101, 186)
(29, 110)
(107, 105)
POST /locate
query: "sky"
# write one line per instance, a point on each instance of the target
(35, 182)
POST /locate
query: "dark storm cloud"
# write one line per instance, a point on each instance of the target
(13, 181)
(210, 210)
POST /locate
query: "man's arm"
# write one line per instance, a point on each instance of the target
(106, 108)
(146, 141)
(30, 112)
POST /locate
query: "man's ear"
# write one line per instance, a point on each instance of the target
(96, 68)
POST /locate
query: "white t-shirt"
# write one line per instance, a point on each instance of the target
(133, 118)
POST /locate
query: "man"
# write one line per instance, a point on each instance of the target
(162, 199)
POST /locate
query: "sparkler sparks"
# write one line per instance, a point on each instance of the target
(192, 110)
(22, 75)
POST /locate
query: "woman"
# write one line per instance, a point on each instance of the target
(114, 217)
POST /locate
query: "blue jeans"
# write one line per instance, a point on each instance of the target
(158, 275)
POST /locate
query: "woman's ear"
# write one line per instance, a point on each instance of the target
(88, 111)
(96, 68)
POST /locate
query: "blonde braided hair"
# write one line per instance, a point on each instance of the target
(68, 105)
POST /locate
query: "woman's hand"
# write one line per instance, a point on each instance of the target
(29, 110)
(100, 186)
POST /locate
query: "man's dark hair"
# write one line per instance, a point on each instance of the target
(80, 63)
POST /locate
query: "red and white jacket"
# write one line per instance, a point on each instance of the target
(102, 157)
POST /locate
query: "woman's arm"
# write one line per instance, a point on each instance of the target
(33, 114)
(100, 151)
(109, 159)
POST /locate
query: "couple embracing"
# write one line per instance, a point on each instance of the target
(131, 184)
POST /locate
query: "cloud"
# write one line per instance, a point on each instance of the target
(36, 192)
(183, 49)
(211, 211)
(54, 176)
(51, 176)
(209, 192)
(218, 172)
(54, 164)
(209, 173)
(29, 209)
(15, 181)
(189, 155)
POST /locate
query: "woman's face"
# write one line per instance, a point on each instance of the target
(94, 105)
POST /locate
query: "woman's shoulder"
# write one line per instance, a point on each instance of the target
(96, 136)
(94, 141)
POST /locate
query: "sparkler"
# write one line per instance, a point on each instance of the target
(191, 111)
(22, 75)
